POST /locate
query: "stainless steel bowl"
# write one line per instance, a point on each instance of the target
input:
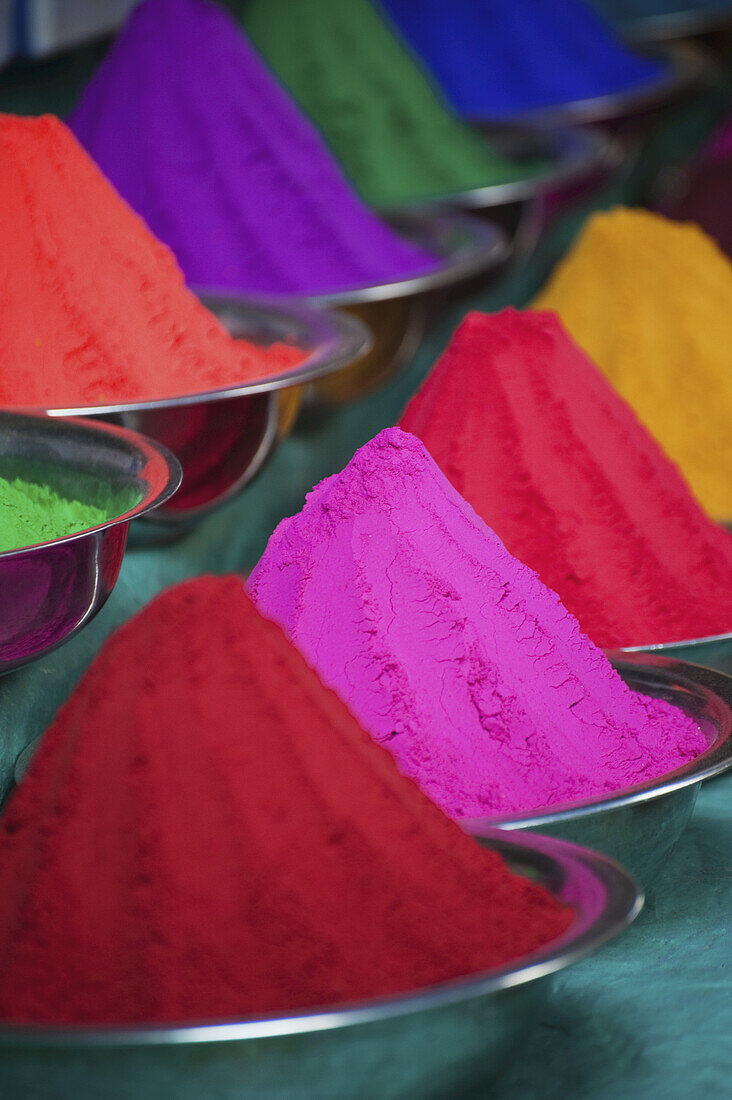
(48, 592)
(685, 67)
(714, 651)
(223, 437)
(685, 22)
(397, 312)
(568, 154)
(441, 1041)
(640, 825)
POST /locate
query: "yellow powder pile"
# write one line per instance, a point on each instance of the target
(650, 301)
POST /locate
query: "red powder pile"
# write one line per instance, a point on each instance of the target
(206, 833)
(550, 456)
(94, 308)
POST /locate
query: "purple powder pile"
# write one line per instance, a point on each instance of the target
(449, 651)
(201, 140)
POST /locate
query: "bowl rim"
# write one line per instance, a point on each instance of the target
(574, 152)
(426, 223)
(576, 875)
(337, 338)
(685, 23)
(683, 66)
(713, 686)
(663, 647)
(159, 469)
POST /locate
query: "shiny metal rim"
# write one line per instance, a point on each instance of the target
(713, 688)
(686, 66)
(572, 154)
(685, 23)
(670, 647)
(160, 469)
(566, 870)
(466, 245)
(335, 339)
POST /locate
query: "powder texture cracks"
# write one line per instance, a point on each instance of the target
(449, 651)
(533, 436)
(205, 833)
(94, 310)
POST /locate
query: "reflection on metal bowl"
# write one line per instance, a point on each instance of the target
(640, 826)
(448, 1040)
(50, 591)
(223, 437)
(397, 312)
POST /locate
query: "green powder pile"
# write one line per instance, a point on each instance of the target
(31, 513)
(374, 104)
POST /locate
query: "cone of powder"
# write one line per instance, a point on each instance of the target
(533, 436)
(94, 308)
(377, 108)
(198, 136)
(650, 301)
(206, 834)
(499, 59)
(449, 651)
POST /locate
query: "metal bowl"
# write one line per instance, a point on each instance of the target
(569, 155)
(685, 67)
(688, 22)
(714, 651)
(223, 437)
(397, 312)
(442, 1041)
(640, 825)
(48, 592)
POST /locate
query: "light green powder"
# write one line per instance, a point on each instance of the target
(31, 513)
(372, 101)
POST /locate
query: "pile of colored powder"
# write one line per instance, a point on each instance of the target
(450, 652)
(194, 131)
(498, 59)
(530, 433)
(371, 99)
(205, 833)
(94, 309)
(31, 513)
(650, 301)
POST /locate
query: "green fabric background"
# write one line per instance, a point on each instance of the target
(650, 1015)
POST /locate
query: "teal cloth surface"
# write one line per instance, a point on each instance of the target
(648, 1016)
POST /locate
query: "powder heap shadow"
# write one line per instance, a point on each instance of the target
(377, 108)
(650, 301)
(199, 137)
(205, 833)
(532, 435)
(498, 59)
(94, 308)
(449, 651)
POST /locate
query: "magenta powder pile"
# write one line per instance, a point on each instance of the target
(449, 651)
(200, 139)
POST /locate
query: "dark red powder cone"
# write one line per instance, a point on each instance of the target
(206, 833)
(551, 457)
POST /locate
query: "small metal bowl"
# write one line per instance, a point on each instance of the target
(685, 66)
(692, 21)
(444, 1040)
(397, 312)
(639, 826)
(48, 592)
(223, 437)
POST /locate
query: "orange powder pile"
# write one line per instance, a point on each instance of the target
(94, 308)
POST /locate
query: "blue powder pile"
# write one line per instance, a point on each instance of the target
(498, 58)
